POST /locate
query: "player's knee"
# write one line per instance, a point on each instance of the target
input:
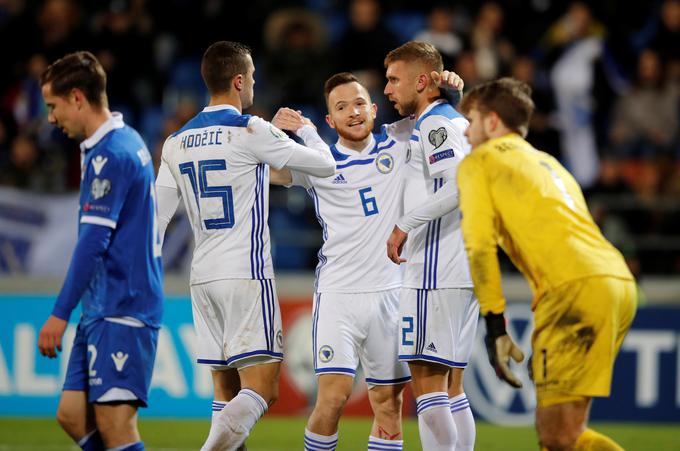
(386, 404)
(555, 441)
(331, 404)
(70, 422)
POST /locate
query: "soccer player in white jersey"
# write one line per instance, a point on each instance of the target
(438, 309)
(219, 164)
(356, 304)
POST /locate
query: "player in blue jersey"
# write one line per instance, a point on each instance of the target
(115, 272)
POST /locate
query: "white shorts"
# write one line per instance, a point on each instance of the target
(353, 328)
(438, 325)
(237, 322)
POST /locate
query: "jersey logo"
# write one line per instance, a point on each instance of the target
(437, 137)
(279, 339)
(326, 353)
(408, 154)
(384, 162)
(100, 188)
(119, 359)
(431, 347)
(339, 179)
(442, 155)
(276, 132)
(98, 163)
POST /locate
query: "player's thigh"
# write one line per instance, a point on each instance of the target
(577, 331)
(117, 423)
(428, 377)
(334, 389)
(122, 354)
(237, 322)
(379, 354)
(339, 325)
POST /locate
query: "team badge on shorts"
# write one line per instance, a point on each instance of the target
(326, 353)
(384, 162)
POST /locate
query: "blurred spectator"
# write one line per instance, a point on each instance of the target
(645, 120)
(295, 63)
(493, 52)
(465, 67)
(363, 47)
(575, 43)
(62, 28)
(441, 34)
(543, 133)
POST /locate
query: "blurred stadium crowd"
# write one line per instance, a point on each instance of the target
(605, 75)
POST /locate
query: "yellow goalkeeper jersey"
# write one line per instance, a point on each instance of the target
(522, 199)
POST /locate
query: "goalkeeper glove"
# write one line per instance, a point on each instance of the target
(500, 348)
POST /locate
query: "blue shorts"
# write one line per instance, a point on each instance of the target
(112, 362)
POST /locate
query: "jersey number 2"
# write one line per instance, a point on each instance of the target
(199, 185)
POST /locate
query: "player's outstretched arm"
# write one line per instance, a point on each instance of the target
(314, 158)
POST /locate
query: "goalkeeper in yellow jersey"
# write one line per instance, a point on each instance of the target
(522, 199)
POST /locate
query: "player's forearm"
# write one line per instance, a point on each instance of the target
(444, 201)
(314, 159)
(281, 177)
(92, 244)
(168, 200)
(486, 277)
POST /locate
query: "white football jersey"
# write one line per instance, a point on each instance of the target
(436, 254)
(357, 209)
(219, 162)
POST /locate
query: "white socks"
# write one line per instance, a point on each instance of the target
(381, 444)
(231, 423)
(435, 423)
(318, 442)
(465, 422)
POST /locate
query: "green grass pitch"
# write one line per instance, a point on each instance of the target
(283, 434)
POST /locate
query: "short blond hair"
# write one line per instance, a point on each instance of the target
(417, 51)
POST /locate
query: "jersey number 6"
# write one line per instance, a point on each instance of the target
(200, 185)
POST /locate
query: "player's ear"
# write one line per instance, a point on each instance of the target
(238, 82)
(374, 110)
(330, 121)
(77, 97)
(422, 82)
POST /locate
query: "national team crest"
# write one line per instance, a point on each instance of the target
(100, 188)
(326, 353)
(384, 162)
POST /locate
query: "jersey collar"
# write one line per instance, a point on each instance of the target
(430, 106)
(114, 122)
(209, 109)
(353, 153)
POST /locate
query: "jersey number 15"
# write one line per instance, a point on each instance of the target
(199, 185)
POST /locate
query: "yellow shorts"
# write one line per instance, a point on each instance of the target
(578, 330)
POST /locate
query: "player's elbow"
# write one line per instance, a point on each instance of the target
(326, 170)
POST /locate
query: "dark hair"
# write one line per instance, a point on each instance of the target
(508, 97)
(341, 78)
(221, 63)
(417, 51)
(79, 70)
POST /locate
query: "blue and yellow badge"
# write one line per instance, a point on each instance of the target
(384, 162)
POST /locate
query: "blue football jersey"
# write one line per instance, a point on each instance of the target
(117, 191)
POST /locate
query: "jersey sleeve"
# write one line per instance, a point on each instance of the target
(165, 177)
(108, 178)
(444, 143)
(269, 144)
(400, 130)
(480, 233)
